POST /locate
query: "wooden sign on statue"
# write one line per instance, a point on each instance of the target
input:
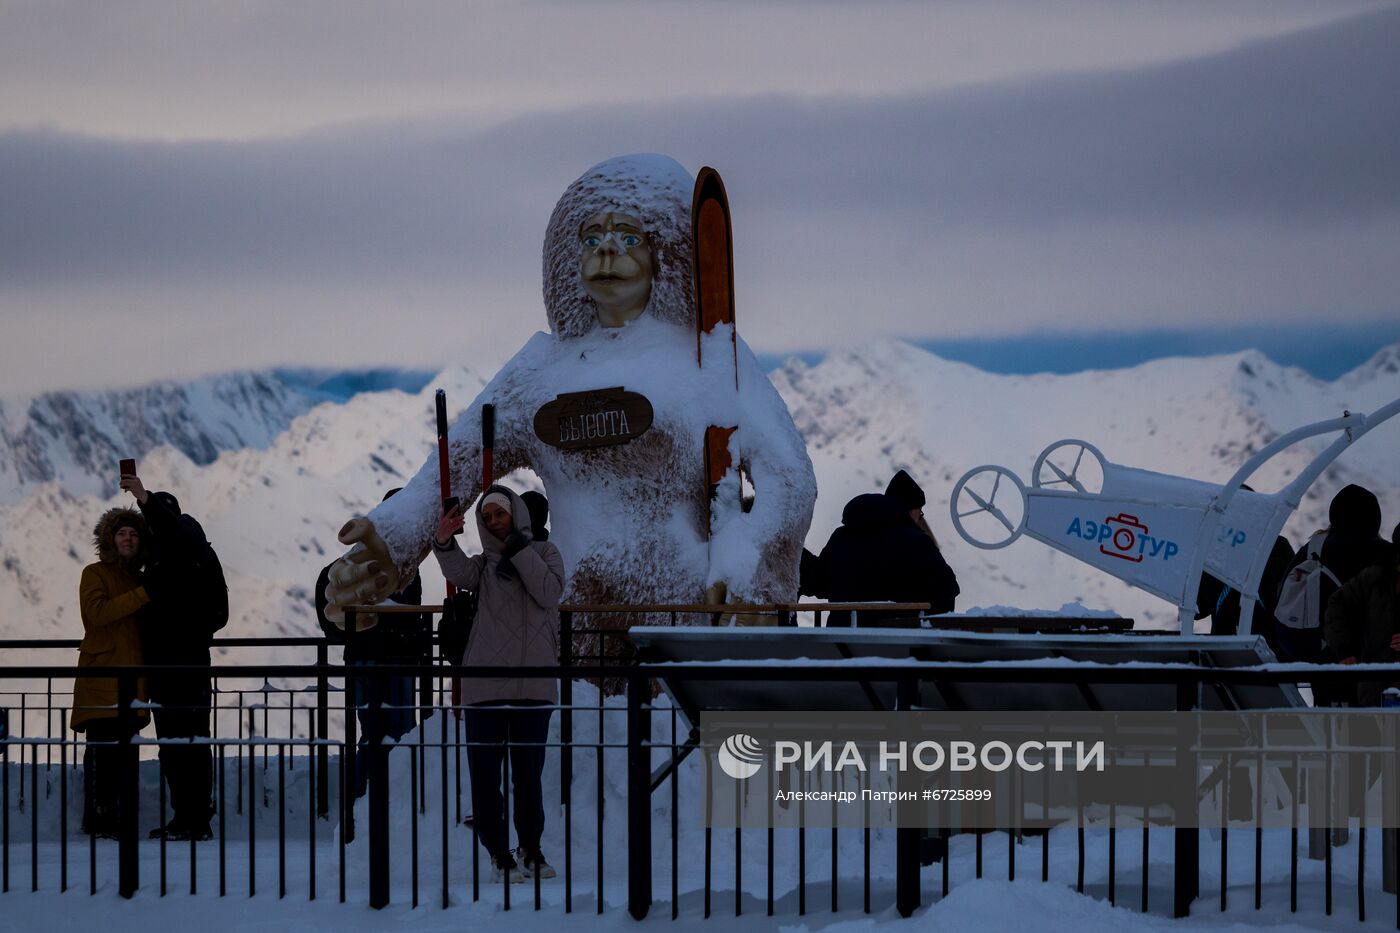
(597, 418)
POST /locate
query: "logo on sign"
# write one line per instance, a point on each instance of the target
(740, 756)
(1123, 536)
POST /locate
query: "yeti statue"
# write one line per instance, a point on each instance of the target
(630, 518)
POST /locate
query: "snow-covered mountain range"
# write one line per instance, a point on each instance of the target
(272, 476)
(77, 438)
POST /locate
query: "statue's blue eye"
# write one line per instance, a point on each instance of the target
(591, 241)
(631, 239)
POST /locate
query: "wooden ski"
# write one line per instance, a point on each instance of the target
(714, 305)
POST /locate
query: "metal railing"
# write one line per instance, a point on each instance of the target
(290, 778)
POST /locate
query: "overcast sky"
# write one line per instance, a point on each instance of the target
(190, 188)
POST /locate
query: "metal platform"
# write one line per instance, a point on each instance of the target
(1018, 691)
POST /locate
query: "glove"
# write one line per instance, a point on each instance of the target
(364, 575)
(514, 544)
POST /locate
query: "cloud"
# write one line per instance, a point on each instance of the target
(156, 69)
(1237, 187)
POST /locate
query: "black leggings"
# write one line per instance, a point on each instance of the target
(492, 728)
(102, 766)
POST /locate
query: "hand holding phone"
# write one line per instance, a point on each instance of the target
(130, 482)
(452, 520)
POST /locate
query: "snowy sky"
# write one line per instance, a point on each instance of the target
(188, 188)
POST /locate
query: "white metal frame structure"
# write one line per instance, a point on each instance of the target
(1156, 531)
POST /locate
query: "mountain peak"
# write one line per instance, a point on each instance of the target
(1384, 366)
(77, 437)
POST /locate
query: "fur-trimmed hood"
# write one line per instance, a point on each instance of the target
(104, 535)
(658, 191)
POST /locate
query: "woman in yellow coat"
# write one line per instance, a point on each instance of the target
(110, 596)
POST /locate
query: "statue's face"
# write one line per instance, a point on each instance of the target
(616, 266)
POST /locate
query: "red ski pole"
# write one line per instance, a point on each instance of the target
(488, 441)
(445, 487)
(444, 471)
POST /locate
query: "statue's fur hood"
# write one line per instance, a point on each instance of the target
(658, 191)
(104, 535)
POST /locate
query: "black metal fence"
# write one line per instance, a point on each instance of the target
(285, 749)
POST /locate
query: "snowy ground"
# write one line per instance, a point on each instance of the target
(988, 904)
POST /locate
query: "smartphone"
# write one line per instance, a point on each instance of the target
(127, 467)
(450, 504)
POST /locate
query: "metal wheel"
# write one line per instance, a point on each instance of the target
(979, 517)
(1063, 464)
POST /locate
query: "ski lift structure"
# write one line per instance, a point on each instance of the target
(1154, 531)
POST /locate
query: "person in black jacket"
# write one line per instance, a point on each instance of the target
(1351, 543)
(910, 496)
(1363, 620)
(879, 554)
(189, 603)
(539, 514)
(394, 639)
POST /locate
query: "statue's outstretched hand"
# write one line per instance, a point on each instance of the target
(365, 575)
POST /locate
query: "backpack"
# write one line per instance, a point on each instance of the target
(1300, 598)
(195, 569)
(209, 581)
(455, 626)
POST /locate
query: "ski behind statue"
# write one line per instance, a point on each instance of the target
(714, 305)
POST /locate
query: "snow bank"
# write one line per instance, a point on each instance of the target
(1074, 610)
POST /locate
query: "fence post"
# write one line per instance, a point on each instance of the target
(323, 729)
(638, 796)
(424, 633)
(5, 799)
(348, 756)
(906, 844)
(566, 711)
(1388, 822)
(378, 796)
(1187, 875)
(566, 748)
(128, 856)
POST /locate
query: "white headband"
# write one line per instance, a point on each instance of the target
(498, 498)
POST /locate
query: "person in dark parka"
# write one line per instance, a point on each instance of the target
(910, 496)
(385, 707)
(812, 577)
(189, 603)
(879, 555)
(539, 514)
(1352, 544)
(1363, 620)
